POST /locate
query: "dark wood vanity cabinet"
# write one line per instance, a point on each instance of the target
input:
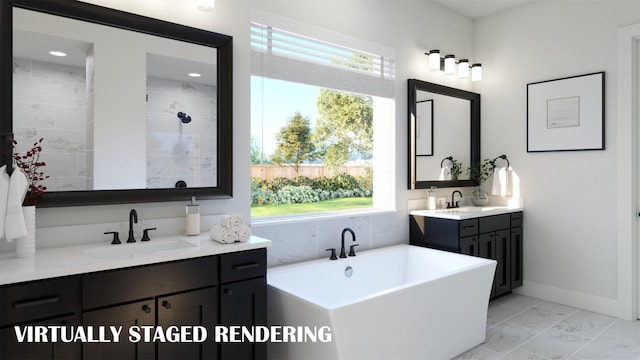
(227, 289)
(497, 237)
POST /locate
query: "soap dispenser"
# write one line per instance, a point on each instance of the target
(431, 199)
(193, 218)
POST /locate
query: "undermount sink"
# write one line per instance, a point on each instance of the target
(138, 248)
(474, 208)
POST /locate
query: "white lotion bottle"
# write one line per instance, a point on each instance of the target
(193, 218)
(431, 199)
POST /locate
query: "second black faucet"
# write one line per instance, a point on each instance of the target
(133, 218)
(454, 204)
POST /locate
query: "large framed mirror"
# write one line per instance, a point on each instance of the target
(444, 125)
(140, 110)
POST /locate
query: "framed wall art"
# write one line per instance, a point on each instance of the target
(566, 114)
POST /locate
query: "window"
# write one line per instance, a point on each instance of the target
(322, 110)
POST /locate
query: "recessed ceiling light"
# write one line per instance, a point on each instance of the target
(194, 75)
(206, 5)
(57, 53)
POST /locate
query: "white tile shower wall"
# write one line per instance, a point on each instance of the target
(49, 102)
(177, 151)
(302, 240)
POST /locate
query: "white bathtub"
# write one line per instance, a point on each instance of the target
(401, 302)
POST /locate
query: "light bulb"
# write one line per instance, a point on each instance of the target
(434, 59)
(463, 68)
(449, 64)
(476, 72)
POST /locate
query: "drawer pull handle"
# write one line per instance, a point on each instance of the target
(36, 302)
(228, 291)
(166, 304)
(146, 308)
(468, 226)
(246, 266)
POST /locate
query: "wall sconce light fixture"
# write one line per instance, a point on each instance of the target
(206, 5)
(434, 59)
(448, 65)
(476, 72)
(463, 68)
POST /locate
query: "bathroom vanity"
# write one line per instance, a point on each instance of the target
(488, 232)
(205, 285)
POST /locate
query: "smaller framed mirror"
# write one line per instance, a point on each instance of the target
(444, 125)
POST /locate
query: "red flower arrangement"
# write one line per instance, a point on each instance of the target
(30, 164)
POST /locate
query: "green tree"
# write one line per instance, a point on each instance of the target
(293, 142)
(345, 126)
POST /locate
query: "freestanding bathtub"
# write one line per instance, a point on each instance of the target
(399, 302)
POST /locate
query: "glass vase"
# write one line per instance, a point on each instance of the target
(479, 197)
(26, 246)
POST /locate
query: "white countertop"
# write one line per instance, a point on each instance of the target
(466, 212)
(71, 260)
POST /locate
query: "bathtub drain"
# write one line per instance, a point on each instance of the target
(348, 271)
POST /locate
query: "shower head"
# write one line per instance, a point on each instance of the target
(184, 118)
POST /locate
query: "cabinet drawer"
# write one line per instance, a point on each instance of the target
(516, 219)
(494, 223)
(243, 265)
(136, 283)
(468, 227)
(38, 300)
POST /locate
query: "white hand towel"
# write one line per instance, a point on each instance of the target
(4, 194)
(223, 235)
(502, 182)
(244, 233)
(509, 186)
(14, 225)
(232, 221)
(445, 173)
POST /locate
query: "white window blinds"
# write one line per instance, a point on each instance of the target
(287, 50)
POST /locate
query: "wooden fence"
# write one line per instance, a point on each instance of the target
(269, 172)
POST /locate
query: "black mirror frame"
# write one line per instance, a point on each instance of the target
(474, 139)
(116, 18)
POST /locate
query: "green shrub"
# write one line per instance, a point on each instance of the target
(280, 182)
(303, 181)
(345, 181)
(261, 193)
(302, 189)
(296, 195)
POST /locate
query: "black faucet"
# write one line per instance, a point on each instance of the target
(453, 204)
(343, 253)
(133, 218)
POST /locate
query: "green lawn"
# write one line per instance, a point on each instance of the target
(326, 205)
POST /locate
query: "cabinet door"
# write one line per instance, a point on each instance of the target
(516, 257)
(486, 249)
(244, 304)
(199, 307)
(10, 348)
(502, 241)
(470, 246)
(140, 313)
(486, 246)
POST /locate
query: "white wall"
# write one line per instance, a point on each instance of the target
(571, 236)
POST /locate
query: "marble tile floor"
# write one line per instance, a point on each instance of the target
(521, 327)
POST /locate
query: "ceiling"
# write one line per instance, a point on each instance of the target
(475, 9)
